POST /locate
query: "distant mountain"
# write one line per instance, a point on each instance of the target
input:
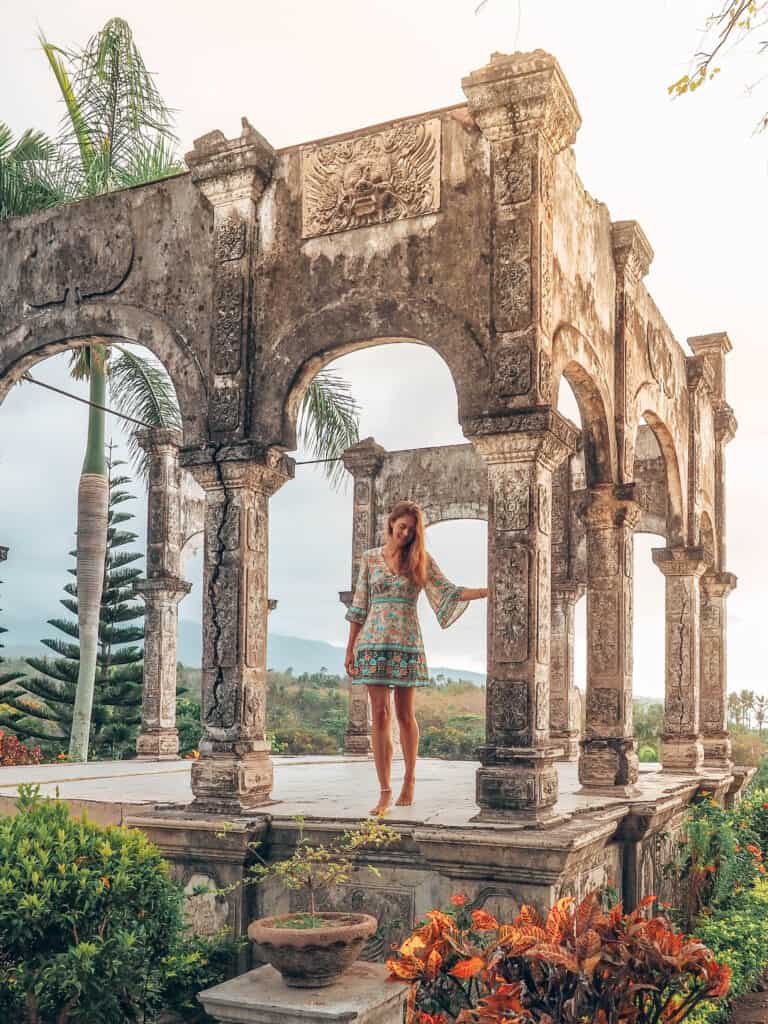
(282, 652)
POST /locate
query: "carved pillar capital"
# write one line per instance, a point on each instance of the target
(718, 584)
(700, 376)
(609, 506)
(226, 170)
(261, 469)
(542, 436)
(364, 459)
(521, 93)
(155, 439)
(726, 424)
(567, 592)
(632, 252)
(680, 561)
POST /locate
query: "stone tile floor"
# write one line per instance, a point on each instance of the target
(316, 786)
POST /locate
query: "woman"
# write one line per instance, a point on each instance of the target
(385, 649)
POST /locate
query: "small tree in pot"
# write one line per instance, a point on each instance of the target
(312, 948)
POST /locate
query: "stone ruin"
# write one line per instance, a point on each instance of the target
(466, 229)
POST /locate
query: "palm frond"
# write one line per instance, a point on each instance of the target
(152, 160)
(140, 387)
(328, 422)
(32, 174)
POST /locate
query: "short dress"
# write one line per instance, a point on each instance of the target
(389, 648)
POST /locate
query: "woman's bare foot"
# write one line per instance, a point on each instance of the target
(385, 799)
(406, 793)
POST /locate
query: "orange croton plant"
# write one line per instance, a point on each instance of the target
(582, 963)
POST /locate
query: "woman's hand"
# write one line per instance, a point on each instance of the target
(349, 662)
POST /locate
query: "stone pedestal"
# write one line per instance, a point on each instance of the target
(362, 995)
(234, 772)
(564, 703)
(715, 738)
(518, 776)
(161, 592)
(609, 757)
(681, 746)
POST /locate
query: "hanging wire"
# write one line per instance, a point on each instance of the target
(85, 401)
(141, 423)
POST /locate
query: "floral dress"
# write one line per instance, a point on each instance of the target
(389, 648)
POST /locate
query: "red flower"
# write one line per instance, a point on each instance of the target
(665, 905)
(459, 899)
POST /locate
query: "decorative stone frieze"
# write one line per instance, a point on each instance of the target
(608, 755)
(518, 772)
(161, 592)
(681, 746)
(371, 179)
(234, 772)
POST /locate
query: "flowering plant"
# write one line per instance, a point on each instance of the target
(13, 751)
(578, 964)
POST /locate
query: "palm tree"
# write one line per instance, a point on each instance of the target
(747, 701)
(734, 707)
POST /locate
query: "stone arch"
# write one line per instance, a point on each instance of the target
(574, 358)
(675, 526)
(358, 323)
(57, 330)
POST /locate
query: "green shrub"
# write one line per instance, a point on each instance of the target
(739, 938)
(648, 755)
(91, 926)
(304, 741)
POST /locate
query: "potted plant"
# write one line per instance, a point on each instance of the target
(312, 948)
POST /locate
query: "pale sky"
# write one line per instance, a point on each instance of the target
(690, 171)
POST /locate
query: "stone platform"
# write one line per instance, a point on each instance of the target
(599, 839)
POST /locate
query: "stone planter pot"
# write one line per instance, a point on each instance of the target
(311, 957)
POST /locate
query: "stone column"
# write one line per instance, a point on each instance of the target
(564, 703)
(715, 588)
(608, 756)
(681, 746)
(363, 461)
(161, 591)
(518, 776)
(234, 772)
(232, 175)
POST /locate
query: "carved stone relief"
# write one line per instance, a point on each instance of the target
(603, 706)
(544, 607)
(225, 408)
(371, 179)
(512, 505)
(513, 178)
(545, 376)
(508, 708)
(603, 625)
(544, 505)
(205, 909)
(230, 239)
(546, 278)
(511, 609)
(660, 360)
(228, 321)
(513, 364)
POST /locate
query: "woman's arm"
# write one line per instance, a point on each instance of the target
(473, 593)
(349, 659)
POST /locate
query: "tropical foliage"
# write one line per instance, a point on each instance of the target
(578, 963)
(29, 179)
(91, 925)
(43, 703)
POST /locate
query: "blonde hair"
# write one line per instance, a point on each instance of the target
(414, 559)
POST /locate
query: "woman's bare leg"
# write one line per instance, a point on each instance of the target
(409, 740)
(381, 738)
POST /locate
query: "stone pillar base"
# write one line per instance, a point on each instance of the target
(231, 782)
(357, 743)
(682, 754)
(522, 788)
(717, 752)
(569, 741)
(158, 745)
(609, 763)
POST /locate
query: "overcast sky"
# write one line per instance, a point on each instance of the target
(690, 171)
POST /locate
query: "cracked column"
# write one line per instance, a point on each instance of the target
(681, 746)
(161, 591)
(234, 772)
(608, 750)
(363, 461)
(518, 775)
(564, 704)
